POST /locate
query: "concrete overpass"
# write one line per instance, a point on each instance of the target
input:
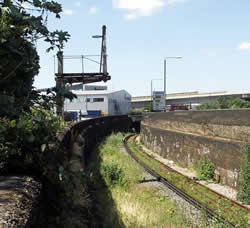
(194, 98)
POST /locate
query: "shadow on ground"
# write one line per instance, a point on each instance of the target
(105, 211)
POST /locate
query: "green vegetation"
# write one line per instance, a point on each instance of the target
(241, 217)
(28, 126)
(205, 169)
(113, 175)
(24, 142)
(123, 202)
(244, 180)
(225, 103)
(20, 29)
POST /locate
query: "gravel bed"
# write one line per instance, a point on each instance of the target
(195, 215)
(188, 210)
(18, 197)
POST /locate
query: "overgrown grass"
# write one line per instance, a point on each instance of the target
(121, 200)
(242, 216)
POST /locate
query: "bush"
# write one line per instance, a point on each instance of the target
(24, 141)
(113, 175)
(205, 170)
(244, 179)
(225, 103)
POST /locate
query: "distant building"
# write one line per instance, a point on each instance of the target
(94, 99)
(81, 87)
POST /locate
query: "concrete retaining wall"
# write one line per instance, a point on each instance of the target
(185, 137)
(77, 144)
(23, 205)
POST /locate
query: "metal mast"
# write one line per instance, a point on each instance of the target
(85, 78)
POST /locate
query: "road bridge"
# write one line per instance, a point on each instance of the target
(188, 98)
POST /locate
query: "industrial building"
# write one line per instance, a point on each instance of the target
(94, 100)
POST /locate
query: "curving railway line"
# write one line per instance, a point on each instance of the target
(231, 213)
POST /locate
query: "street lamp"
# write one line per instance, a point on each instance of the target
(152, 90)
(165, 74)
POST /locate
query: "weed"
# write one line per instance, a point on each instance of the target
(113, 175)
(205, 169)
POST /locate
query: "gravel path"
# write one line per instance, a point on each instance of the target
(18, 197)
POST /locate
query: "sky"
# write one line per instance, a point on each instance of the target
(212, 36)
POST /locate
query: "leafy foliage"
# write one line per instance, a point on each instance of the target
(24, 142)
(244, 180)
(28, 126)
(18, 18)
(205, 169)
(22, 23)
(225, 103)
(113, 174)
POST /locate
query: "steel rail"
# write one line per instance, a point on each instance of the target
(197, 204)
(209, 189)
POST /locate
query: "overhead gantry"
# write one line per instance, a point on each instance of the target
(63, 78)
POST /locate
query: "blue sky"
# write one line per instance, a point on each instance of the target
(213, 37)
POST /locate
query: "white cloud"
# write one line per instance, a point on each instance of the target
(67, 12)
(244, 45)
(93, 10)
(78, 3)
(142, 8)
(138, 8)
(173, 2)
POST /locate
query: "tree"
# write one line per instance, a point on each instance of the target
(19, 61)
(225, 103)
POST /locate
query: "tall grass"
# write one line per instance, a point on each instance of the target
(122, 201)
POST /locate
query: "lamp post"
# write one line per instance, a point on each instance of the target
(152, 91)
(165, 74)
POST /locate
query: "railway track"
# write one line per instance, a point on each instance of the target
(213, 199)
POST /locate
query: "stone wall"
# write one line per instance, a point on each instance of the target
(185, 137)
